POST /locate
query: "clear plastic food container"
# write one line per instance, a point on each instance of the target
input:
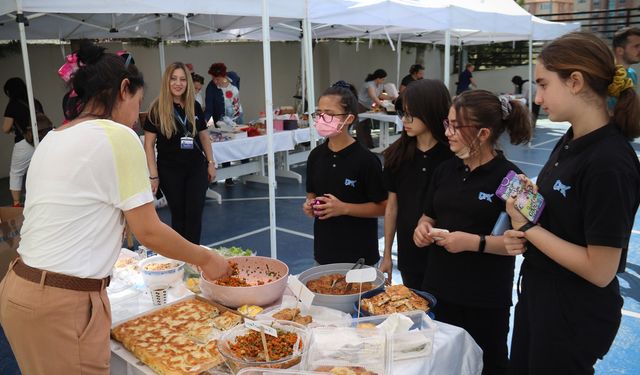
(352, 348)
(416, 342)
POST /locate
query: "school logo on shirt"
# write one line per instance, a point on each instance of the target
(562, 188)
(485, 197)
(348, 182)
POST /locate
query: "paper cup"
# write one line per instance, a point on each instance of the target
(159, 294)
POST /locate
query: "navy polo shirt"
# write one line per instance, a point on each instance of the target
(353, 175)
(410, 182)
(462, 200)
(591, 186)
(169, 148)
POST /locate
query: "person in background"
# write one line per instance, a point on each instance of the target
(345, 192)
(416, 73)
(469, 269)
(185, 163)
(408, 166)
(368, 98)
(17, 120)
(523, 87)
(198, 82)
(466, 80)
(224, 100)
(591, 186)
(626, 49)
(54, 307)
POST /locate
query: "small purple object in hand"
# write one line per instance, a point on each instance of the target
(313, 204)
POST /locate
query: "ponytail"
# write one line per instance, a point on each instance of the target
(517, 123)
(379, 73)
(626, 113)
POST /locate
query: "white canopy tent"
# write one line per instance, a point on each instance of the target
(63, 14)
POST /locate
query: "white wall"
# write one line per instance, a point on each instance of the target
(333, 61)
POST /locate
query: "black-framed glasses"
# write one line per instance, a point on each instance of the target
(405, 117)
(454, 127)
(326, 116)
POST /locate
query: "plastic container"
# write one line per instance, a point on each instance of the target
(428, 296)
(153, 278)
(236, 364)
(338, 302)
(368, 349)
(253, 269)
(417, 342)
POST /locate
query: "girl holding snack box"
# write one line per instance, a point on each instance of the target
(468, 269)
(345, 193)
(409, 165)
(568, 310)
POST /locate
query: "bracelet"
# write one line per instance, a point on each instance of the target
(153, 178)
(526, 227)
(482, 244)
(211, 161)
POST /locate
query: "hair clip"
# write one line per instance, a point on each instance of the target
(342, 84)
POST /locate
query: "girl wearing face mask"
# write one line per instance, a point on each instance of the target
(469, 270)
(408, 166)
(345, 193)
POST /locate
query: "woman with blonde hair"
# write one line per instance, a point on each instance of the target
(185, 164)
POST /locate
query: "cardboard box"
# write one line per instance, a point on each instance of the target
(11, 220)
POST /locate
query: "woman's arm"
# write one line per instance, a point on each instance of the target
(421, 235)
(390, 219)
(7, 125)
(208, 151)
(150, 152)
(153, 233)
(372, 94)
(457, 242)
(596, 264)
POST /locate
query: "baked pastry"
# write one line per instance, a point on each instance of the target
(345, 370)
(226, 320)
(396, 298)
(173, 340)
(293, 315)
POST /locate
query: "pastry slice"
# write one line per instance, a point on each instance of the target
(226, 320)
(398, 292)
(287, 314)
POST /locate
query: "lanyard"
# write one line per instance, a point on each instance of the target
(182, 121)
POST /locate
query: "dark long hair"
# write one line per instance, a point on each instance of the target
(98, 79)
(379, 73)
(427, 100)
(483, 109)
(586, 53)
(16, 89)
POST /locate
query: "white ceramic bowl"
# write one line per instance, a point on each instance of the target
(159, 278)
(253, 269)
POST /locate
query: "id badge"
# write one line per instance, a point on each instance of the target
(186, 143)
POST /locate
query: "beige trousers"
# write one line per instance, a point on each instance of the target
(55, 331)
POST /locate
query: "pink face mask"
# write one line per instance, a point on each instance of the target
(329, 129)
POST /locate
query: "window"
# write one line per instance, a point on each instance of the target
(582, 1)
(545, 6)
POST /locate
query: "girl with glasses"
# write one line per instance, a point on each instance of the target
(345, 194)
(568, 311)
(469, 269)
(408, 166)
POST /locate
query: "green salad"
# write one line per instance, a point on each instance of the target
(233, 251)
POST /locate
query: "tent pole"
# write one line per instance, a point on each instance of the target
(447, 58)
(308, 50)
(161, 52)
(268, 101)
(398, 50)
(21, 19)
(303, 86)
(530, 68)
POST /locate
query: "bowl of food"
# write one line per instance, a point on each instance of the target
(395, 299)
(331, 289)
(255, 281)
(242, 347)
(161, 271)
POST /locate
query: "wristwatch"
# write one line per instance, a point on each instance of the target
(526, 227)
(483, 243)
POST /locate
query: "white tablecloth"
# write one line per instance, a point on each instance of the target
(454, 351)
(383, 117)
(245, 148)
